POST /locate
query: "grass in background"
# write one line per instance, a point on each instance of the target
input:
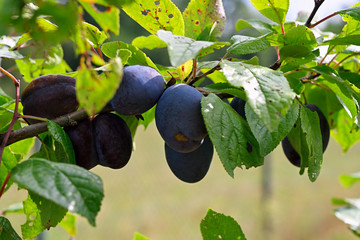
(146, 197)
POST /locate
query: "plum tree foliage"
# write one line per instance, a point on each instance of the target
(88, 116)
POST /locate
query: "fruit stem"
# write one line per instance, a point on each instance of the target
(315, 9)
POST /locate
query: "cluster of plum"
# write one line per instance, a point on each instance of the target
(106, 139)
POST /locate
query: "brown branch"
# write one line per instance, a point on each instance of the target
(35, 129)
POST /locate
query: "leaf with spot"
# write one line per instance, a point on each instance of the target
(204, 20)
(182, 49)
(154, 15)
(7, 231)
(217, 226)
(108, 20)
(268, 91)
(94, 35)
(230, 134)
(275, 10)
(67, 185)
(94, 91)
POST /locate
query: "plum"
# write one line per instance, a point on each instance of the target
(49, 96)
(139, 90)
(83, 143)
(113, 142)
(178, 118)
(291, 153)
(239, 105)
(190, 167)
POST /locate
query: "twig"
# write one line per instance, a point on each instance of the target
(324, 19)
(16, 113)
(316, 8)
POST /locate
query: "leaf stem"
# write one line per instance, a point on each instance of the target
(4, 184)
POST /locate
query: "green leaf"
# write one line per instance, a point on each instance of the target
(182, 49)
(349, 215)
(32, 227)
(344, 92)
(225, 88)
(138, 236)
(353, 13)
(50, 213)
(348, 180)
(154, 15)
(69, 224)
(344, 132)
(242, 45)
(64, 146)
(268, 92)
(6, 52)
(67, 185)
(110, 49)
(230, 134)
(269, 140)
(261, 26)
(347, 40)
(94, 91)
(11, 156)
(217, 226)
(275, 10)
(108, 20)
(7, 231)
(13, 208)
(94, 35)
(150, 42)
(310, 125)
(204, 20)
(52, 64)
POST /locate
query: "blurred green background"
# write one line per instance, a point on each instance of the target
(146, 197)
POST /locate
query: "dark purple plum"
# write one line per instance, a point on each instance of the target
(83, 143)
(178, 118)
(139, 90)
(238, 105)
(288, 149)
(49, 96)
(113, 142)
(190, 167)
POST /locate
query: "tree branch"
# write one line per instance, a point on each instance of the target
(35, 129)
(316, 8)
